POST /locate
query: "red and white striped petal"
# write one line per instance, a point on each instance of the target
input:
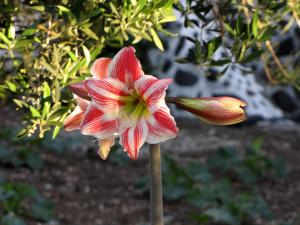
(73, 121)
(125, 66)
(104, 146)
(80, 90)
(151, 89)
(106, 93)
(99, 68)
(82, 103)
(132, 138)
(162, 126)
(96, 123)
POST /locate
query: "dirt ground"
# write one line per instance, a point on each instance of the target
(89, 191)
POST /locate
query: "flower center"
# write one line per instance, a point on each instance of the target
(134, 107)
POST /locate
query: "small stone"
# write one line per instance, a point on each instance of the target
(48, 186)
(87, 190)
(98, 222)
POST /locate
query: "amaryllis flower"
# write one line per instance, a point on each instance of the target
(126, 103)
(99, 70)
(74, 120)
(214, 110)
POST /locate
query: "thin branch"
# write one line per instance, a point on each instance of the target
(268, 72)
(276, 59)
(218, 16)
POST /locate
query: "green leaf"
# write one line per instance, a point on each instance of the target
(22, 45)
(56, 92)
(87, 55)
(3, 46)
(22, 133)
(39, 8)
(46, 108)
(65, 10)
(229, 29)
(54, 123)
(137, 39)
(255, 24)
(95, 12)
(11, 32)
(160, 4)
(46, 91)
(55, 132)
(213, 45)
(34, 112)
(168, 19)
(11, 86)
(267, 34)
(58, 112)
(29, 32)
(220, 62)
(71, 54)
(20, 103)
(139, 8)
(156, 39)
(48, 67)
(239, 24)
(4, 38)
(89, 33)
(113, 8)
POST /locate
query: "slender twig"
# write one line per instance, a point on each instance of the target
(216, 12)
(276, 59)
(246, 11)
(155, 185)
(268, 72)
(293, 4)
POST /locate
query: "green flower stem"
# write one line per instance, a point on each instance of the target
(156, 185)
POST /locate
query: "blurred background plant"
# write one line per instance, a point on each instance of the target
(245, 30)
(45, 46)
(19, 201)
(225, 188)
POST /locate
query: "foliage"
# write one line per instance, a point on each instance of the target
(26, 152)
(118, 157)
(19, 153)
(44, 47)
(19, 201)
(250, 168)
(243, 30)
(212, 187)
